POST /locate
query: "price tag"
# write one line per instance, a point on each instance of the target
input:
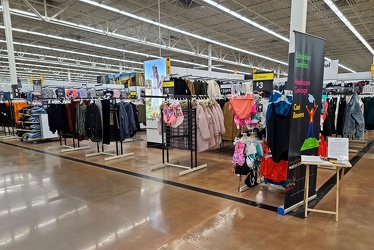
(168, 88)
(263, 85)
(225, 89)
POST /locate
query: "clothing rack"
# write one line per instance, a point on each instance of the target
(64, 147)
(110, 153)
(167, 136)
(11, 133)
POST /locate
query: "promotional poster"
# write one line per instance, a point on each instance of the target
(154, 74)
(305, 79)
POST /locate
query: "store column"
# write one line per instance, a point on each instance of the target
(9, 41)
(298, 23)
(209, 57)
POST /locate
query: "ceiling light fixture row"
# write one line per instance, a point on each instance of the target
(221, 7)
(259, 26)
(122, 37)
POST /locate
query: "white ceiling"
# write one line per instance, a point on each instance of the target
(53, 35)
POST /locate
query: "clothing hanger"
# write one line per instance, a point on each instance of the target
(282, 98)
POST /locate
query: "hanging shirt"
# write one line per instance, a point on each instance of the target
(242, 105)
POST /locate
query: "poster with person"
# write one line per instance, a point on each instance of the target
(154, 74)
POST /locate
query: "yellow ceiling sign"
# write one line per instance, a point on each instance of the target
(263, 76)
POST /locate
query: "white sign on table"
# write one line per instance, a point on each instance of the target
(338, 148)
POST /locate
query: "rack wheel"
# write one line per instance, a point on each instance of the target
(21, 140)
(34, 142)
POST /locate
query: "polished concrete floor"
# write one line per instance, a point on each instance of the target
(54, 200)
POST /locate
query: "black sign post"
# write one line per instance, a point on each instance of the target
(305, 79)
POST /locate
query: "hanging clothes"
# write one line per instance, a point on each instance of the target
(329, 123)
(105, 105)
(80, 118)
(191, 87)
(353, 119)
(340, 119)
(278, 134)
(369, 112)
(242, 105)
(213, 89)
(57, 118)
(180, 87)
(93, 123)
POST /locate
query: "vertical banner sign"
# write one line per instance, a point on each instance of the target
(305, 79)
(168, 66)
(155, 74)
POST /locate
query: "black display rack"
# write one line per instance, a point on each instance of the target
(182, 137)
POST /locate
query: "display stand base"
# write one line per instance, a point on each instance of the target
(110, 153)
(282, 211)
(68, 148)
(173, 164)
(132, 140)
(10, 137)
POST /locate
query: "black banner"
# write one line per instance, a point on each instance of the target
(305, 79)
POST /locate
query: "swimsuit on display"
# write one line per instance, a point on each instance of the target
(242, 105)
(238, 156)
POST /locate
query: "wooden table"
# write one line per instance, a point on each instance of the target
(339, 167)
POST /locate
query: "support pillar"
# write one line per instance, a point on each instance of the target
(298, 20)
(69, 76)
(210, 57)
(9, 41)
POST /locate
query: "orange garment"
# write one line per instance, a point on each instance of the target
(242, 105)
(17, 106)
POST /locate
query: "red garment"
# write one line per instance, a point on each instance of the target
(322, 147)
(71, 93)
(276, 172)
(242, 105)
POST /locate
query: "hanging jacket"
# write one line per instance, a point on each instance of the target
(93, 123)
(80, 117)
(329, 123)
(131, 120)
(123, 121)
(340, 121)
(279, 134)
(369, 112)
(354, 119)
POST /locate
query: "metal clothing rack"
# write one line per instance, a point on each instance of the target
(11, 133)
(168, 136)
(64, 147)
(110, 153)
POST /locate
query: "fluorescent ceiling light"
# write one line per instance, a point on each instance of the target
(235, 14)
(348, 24)
(77, 63)
(83, 27)
(114, 35)
(33, 66)
(120, 50)
(128, 14)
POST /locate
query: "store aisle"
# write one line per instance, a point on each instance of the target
(47, 202)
